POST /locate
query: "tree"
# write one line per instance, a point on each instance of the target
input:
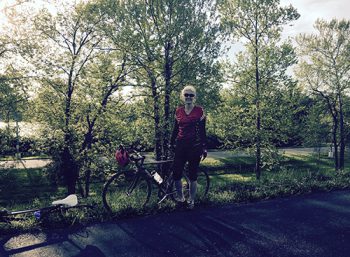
(76, 80)
(316, 131)
(259, 23)
(13, 92)
(171, 43)
(325, 70)
(280, 104)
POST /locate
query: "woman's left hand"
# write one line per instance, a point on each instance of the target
(204, 154)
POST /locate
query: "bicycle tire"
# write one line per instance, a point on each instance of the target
(120, 191)
(203, 184)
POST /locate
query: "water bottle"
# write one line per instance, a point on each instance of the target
(157, 177)
(37, 215)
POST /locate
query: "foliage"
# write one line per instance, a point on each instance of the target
(13, 103)
(263, 65)
(8, 141)
(75, 81)
(280, 106)
(325, 71)
(317, 125)
(103, 72)
(170, 44)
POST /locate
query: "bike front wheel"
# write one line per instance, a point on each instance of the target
(124, 190)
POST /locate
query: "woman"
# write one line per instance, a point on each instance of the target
(189, 140)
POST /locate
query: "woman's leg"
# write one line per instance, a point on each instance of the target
(179, 163)
(179, 192)
(193, 190)
(193, 163)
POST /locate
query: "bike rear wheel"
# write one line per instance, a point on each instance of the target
(124, 190)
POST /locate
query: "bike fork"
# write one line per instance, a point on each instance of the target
(132, 186)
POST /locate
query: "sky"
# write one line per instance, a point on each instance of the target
(309, 11)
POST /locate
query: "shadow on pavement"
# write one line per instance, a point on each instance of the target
(49, 244)
(312, 225)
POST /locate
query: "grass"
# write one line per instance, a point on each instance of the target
(232, 180)
(21, 186)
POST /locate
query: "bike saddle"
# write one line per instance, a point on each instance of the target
(70, 200)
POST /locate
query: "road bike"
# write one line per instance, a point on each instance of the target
(59, 207)
(132, 188)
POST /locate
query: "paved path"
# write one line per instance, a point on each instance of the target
(300, 226)
(22, 164)
(37, 163)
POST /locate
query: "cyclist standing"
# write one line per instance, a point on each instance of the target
(189, 141)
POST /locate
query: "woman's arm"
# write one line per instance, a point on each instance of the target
(175, 132)
(202, 132)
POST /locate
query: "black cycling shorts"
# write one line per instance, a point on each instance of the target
(186, 152)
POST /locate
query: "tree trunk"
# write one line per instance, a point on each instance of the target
(70, 170)
(88, 140)
(86, 145)
(69, 167)
(87, 181)
(335, 144)
(341, 135)
(258, 118)
(157, 131)
(89, 135)
(332, 108)
(167, 76)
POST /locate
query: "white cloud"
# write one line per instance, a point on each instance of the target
(311, 10)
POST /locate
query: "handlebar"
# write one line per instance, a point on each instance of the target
(134, 155)
(137, 157)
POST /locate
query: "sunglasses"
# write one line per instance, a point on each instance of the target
(189, 95)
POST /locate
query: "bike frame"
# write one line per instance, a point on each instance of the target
(6, 216)
(163, 188)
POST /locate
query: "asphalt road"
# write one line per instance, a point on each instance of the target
(311, 225)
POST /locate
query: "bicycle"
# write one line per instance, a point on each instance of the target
(58, 207)
(132, 188)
